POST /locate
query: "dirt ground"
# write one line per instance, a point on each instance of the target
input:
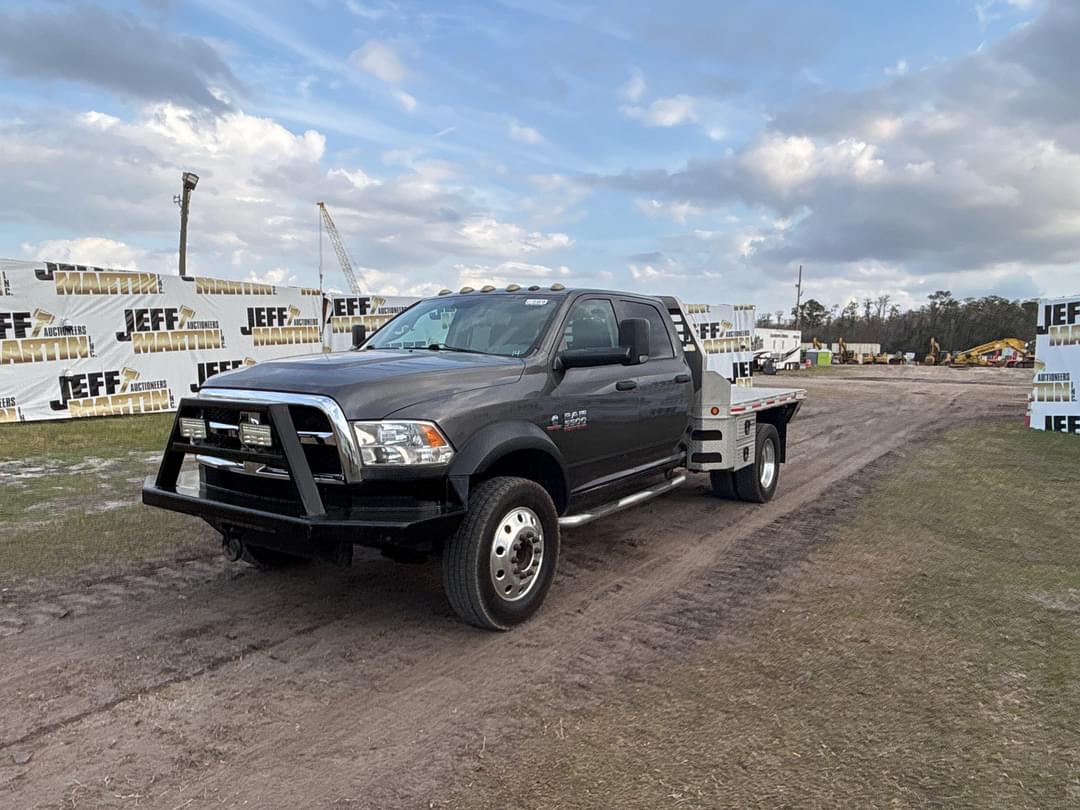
(200, 683)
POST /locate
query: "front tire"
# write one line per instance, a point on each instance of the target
(756, 482)
(499, 564)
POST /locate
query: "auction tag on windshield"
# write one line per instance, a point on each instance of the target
(535, 302)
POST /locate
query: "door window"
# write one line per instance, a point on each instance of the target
(590, 325)
(659, 340)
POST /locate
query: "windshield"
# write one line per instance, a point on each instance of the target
(507, 325)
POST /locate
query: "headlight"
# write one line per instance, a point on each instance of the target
(398, 443)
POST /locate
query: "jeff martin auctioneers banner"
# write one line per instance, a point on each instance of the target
(79, 341)
(1054, 404)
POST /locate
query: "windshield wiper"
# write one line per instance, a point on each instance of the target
(445, 347)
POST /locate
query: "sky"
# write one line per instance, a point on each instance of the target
(699, 148)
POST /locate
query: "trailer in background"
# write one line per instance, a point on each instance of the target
(782, 346)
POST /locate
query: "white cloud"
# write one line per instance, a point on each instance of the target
(484, 234)
(634, 88)
(643, 271)
(357, 177)
(788, 162)
(253, 210)
(665, 112)
(989, 10)
(477, 275)
(899, 69)
(381, 61)
(677, 211)
(277, 276)
(407, 101)
(524, 134)
(99, 251)
(363, 10)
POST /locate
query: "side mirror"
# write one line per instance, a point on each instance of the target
(598, 356)
(359, 335)
(634, 335)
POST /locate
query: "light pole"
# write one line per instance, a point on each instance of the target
(190, 180)
(798, 301)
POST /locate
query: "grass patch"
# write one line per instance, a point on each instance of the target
(104, 436)
(71, 499)
(77, 543)
(927, 655)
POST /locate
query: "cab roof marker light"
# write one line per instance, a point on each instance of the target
(445, 291)
(464, 290)
(487, 288)
(513, 287)
(534, 288)
(557, 287)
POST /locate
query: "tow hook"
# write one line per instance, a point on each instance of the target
(232, 546)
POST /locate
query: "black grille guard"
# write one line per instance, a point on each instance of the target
(286, 453)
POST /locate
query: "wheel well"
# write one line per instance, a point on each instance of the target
(535, 465)
(779, 418)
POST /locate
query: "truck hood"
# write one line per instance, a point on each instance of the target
(375, 383)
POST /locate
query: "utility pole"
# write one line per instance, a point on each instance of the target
(190, 180)
(798, 302)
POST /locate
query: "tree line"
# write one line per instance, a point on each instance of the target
(957, 324)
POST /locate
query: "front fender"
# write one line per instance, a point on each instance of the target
(492, 443)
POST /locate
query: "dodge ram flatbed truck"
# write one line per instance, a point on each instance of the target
(474, 426)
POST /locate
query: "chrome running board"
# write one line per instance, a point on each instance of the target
(573, 521)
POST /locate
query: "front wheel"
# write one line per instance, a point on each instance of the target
(499, 564)
(757, 482)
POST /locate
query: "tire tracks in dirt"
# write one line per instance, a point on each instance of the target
(346, 686)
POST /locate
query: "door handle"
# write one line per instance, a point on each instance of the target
(682, 378)
(625, 385)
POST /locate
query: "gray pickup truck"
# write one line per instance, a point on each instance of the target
(474, 426)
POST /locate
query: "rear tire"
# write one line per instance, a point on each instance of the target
(498, 565)
(723, 483)
(756, 482)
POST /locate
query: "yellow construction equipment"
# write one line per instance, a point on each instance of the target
(993, 354)
(934, 354)
(817, 343)
(844, 356)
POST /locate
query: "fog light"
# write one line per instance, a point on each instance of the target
(192, 428)
(255, 435)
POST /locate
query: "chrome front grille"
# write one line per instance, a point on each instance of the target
(320, 425)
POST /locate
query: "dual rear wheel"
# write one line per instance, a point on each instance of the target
(755, 482)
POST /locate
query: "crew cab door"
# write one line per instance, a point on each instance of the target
(663, 386)
(593, 410)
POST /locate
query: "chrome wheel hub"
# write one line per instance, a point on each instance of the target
(768, 465)
(517, 552)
